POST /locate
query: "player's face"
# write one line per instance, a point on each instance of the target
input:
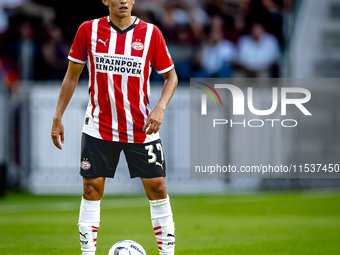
(119, 8)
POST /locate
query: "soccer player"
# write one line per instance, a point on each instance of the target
(119, 50)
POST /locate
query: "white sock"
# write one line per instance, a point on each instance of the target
(89, 218)
(163, 225)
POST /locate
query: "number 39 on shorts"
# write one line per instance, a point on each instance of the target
(151, 153)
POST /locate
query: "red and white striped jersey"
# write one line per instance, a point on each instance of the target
(119, 64)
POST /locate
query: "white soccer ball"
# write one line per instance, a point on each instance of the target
(126, 247)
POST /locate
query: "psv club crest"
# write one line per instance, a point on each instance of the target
(138, 46)
(85, 165)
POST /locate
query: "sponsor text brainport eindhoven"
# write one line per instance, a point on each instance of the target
(119, 65)
(239, 105)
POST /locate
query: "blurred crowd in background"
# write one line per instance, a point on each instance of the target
(206, 38)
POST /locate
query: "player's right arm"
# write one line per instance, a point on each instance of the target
(67, 89)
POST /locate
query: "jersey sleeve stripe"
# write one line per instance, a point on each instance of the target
(166, 70)
(78, 61)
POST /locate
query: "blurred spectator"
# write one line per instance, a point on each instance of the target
(174, 17)
(237, 30)
(23, 51)
(18, 44)
(218, 53)
(268, 13)
(4, 19)
(69, 18)
(149, 10)
(183, 22)
(26, 7)
(182, 52)
(55, 52)
(228, 10)
(9, 77)
(258, 52)
(26, 48)
(198, 18)
(183, 14)
(7, 5)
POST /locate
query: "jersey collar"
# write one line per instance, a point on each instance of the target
(132, 26)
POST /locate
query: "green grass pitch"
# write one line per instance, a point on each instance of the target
(301, 223)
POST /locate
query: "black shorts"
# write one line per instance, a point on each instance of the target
(99, 158)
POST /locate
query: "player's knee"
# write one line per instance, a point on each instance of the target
(91, 192)
(158, 191)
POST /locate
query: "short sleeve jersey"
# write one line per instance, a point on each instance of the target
(119, 64)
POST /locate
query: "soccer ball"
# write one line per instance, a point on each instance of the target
(126, 247)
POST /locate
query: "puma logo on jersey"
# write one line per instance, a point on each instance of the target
(100, 40)
(161, 165)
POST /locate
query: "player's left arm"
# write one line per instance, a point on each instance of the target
(155, 118)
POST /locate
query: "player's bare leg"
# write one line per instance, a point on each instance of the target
(155, 188)
(93, 189)
(161, 214)
(89, 216)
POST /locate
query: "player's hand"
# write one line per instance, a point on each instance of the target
(154, 121)
(57, 130)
